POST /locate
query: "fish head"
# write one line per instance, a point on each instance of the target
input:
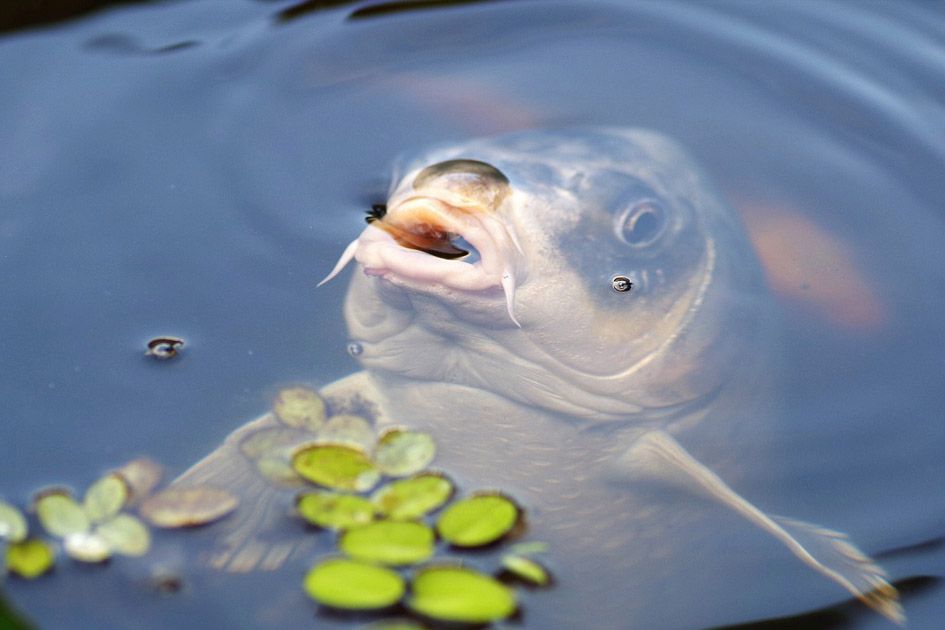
(493, 266)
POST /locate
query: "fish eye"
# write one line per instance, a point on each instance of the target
(641, 224)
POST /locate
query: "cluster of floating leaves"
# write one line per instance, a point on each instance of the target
(99, 526)
(385, 530)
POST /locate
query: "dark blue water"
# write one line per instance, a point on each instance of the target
(193, 168)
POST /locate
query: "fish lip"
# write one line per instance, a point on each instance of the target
(380, 254)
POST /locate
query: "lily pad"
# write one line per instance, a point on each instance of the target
(105, 498)
(526, 569)
(29, 558)
(300, 407)
(336, 466)
(352, 430)
(395, 624)
(413, 498)
(273, 442)
(86, 547)
(389, 542)
(458, 594)
(126, 535)
(478, 520)
(188, 507)
(353, 585)
(142, 476)
(60, 515)
(278, 471)
(400, 452)
(335, 511)
(13, 525)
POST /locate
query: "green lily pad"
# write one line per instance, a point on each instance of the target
(188, 507)
(105, 498)
(334, 511)
(125, 535)
(13, 525)
(86, 547)
(336, 466)
(300, 407)
(478, 520)
(400, 452)
(60, 515)
(30, 558)
(142, 476)
(395, 624)
(351, 430)
(458, 594)
(526, 569)
(352, 585)
(413, 498)
(278, 471)
(389, 542)
(273, 442)
(529, 547)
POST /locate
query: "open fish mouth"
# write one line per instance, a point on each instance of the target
(440, 239)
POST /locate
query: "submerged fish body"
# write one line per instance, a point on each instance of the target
(535, 376)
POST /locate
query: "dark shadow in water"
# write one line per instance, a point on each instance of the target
(926, 546)
(19, 14)
(10, 619)
(386, 8)
(843, 615)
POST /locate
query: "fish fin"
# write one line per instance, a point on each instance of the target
(508, 287)
(657, 454)
(241, 543)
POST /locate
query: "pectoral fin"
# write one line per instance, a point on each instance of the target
(657, 454)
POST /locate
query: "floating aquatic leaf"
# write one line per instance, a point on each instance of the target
(389, 542)
(336, 466)
(352, 430)
(413, 498)
(526, 569)
(278, 471)
(13, 525)
(188, 507)
(86, 547)
(300, 407)
(273, 442)
(60, 515)
(400, 452)
(29, 558)
(335, 511)
(142, 476)
(457, 594)
(478, 520)
(126, 535)
(352, 585)
(105, 497)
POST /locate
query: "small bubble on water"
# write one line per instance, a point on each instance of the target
(355, 349)
(621, 284)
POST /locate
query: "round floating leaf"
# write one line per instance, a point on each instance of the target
(105, 497)
(29, 558)
(13, 525)
(389, 542)
(461, 595)
(278, 471)
(335, 511)
(413, 498)
(273, 442)
(395, 624)
(126, 535)
(141, 476)
(336, 466)
(352, 430)
(477, 520)
(352, 585)
(300, 407)
(400, 453)
(529, 547)
(60, 515)
(188, 507)
(86, 547)
(526, 569)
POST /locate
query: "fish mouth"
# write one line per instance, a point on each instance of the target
(421, 241)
